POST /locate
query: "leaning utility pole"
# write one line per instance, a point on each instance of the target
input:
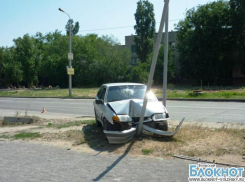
(153, 65)
(165, 65)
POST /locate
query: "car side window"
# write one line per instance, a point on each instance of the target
(102, 95)
(99, 93)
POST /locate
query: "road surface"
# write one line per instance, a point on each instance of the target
(20, 161)
(199, 111)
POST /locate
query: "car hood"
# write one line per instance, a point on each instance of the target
(133, 107)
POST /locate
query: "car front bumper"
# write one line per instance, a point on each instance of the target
(163, 133)
(117, 137)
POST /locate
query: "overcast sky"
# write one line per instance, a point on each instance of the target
(114, 17)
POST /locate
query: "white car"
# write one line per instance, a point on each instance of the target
(118, 106)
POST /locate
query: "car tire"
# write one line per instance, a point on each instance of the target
(104, 124)
(107, 125)
(97, 122)
(165, 125)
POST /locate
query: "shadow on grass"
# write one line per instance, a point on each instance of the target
(96, 139)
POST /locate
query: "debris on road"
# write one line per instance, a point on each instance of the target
(11, 120)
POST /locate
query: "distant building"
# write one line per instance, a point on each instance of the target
(237, 77)
(129, 43)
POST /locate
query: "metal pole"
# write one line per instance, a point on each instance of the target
(165, 69)
(153, 65)
(70, 66)
(70, 77)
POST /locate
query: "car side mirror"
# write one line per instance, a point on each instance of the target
(99, 101)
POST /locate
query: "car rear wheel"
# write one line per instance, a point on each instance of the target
(97, 122)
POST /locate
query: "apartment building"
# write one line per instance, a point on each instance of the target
(130, 44)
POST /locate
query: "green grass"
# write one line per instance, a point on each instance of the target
(172, 92)
(204, 94)
(5, 136)
(29, 135)
(70, 124)
(146, 151)
(49, 124)
(81, 93)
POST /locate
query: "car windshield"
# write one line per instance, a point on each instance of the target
(117, 93)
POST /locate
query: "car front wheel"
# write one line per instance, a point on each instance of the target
(164, 125)
(104, 124)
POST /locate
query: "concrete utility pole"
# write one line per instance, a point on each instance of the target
(153, 65)
(165, 69)
(70, 55)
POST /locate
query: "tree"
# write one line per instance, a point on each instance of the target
(158, 76)
(85, 54)
(144, 29)
(1, 64)
(52, 69)
(238, 32)
(13, 73)
(139, 73)
(204, 44)
(112, 62)
(27, 53)
(74, 28)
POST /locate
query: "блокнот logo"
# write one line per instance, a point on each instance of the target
(209, 172)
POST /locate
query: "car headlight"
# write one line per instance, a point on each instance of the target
(157, 117)
(122, 118)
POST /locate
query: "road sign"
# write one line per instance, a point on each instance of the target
(70, 56)
(70, 71)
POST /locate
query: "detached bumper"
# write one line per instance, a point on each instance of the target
(164, 133)
(117, 137)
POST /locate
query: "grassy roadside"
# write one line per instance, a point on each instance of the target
(192, 139)
(70, 124)
(173, 92)
(81, 92)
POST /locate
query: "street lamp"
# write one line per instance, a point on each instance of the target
(70, 55)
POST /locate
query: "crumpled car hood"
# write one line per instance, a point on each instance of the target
(133, 107)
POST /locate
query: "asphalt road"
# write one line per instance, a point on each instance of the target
(20, 161)
(199, 111)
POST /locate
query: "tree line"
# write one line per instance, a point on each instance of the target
(41, 60)
(210, 42)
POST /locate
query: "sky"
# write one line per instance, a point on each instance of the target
(102, 17)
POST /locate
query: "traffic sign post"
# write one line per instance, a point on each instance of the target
(70, 56)
(70, 71)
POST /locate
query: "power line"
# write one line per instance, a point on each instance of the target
(117, 27)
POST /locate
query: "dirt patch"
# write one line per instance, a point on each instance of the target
(223, 143)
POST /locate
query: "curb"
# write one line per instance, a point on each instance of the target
(208, 100)
(160, 99)
(47, 97)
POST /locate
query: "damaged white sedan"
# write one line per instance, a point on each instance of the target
(118, 106)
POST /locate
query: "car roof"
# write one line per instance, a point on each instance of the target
(120, 84)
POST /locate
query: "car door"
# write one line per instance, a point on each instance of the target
(100, 108)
